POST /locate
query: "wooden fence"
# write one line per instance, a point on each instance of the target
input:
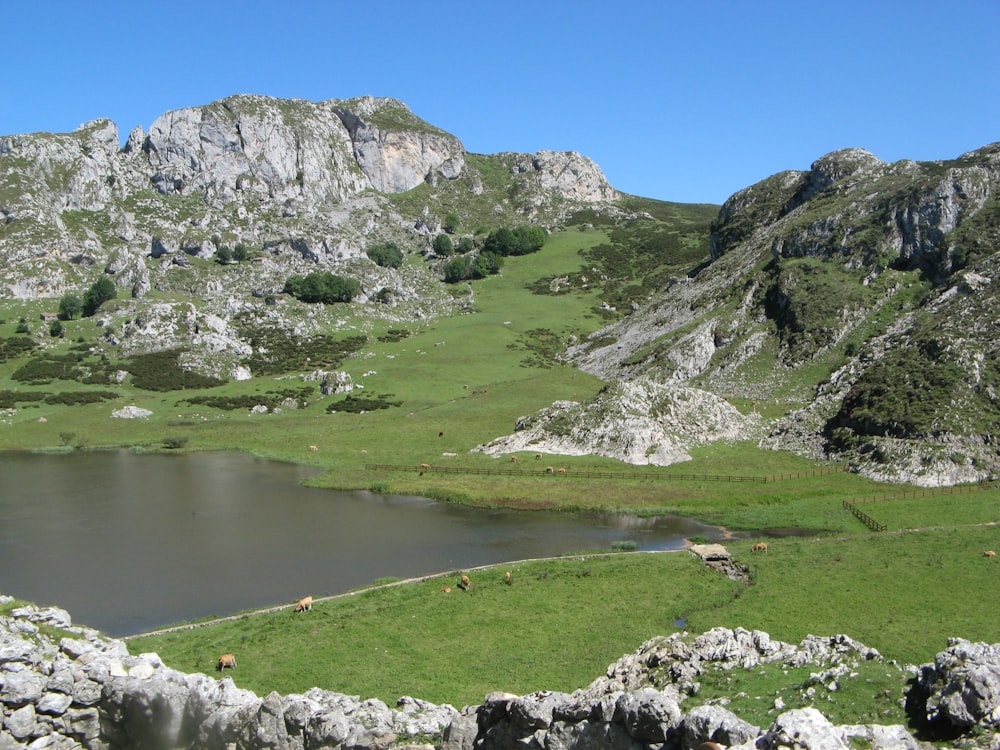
(867, 520)
(957, 489)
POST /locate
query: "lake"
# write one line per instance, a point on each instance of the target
(129, 542)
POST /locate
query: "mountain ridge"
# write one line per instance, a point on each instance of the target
(860, 293)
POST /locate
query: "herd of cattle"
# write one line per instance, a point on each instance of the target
(228, 661)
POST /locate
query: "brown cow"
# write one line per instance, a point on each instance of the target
(304, 605)
(465, 583)
(506, 578)
(759, 547)
(709, 746)
(446, 589)
(560, 471)
(514, 459)
(314, 448)
(990, 553)
(226, 661)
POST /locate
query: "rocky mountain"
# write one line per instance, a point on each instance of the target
(309, 186)
(62, 685)
(881, 277)
(861, 294)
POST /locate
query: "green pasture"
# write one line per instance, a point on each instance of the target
(462, 381)
(563, 621)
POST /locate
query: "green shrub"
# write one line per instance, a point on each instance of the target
(443, 245)
(386, 254)
(15, 346)
(78, 398)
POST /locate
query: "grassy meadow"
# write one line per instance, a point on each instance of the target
(463, 380)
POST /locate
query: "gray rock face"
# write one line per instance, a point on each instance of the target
(963, 685)
(639, 422)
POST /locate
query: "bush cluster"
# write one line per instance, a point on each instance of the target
(322, 286)
(160, 371)
(386, 254)
(517, 241)
(270, 399)
(366, 402)
(394, 334)
(465, 267)
(275, 351)
(15, 346)
(78, 398)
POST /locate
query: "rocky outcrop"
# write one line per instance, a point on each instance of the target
(638, 422)
(887, 268)
(568, 173)
(397, 159)
(67, 686)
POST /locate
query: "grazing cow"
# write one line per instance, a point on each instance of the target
(759, 547)
(465, 583)
(538, 456)
(514, 459)
(549, 470)
(560, 471)
(506, 578)
(990, 553)
(440, 434)
(304, 605)
(423, 468)
(314, 447)
(709, 746)
(226, 661)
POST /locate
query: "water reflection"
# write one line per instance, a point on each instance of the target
(129, 542)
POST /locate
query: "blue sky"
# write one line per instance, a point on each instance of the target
(681, 101)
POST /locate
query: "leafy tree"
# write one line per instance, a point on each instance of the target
(466, 245)
(501, 241)
(70, 306)
(457, 269)
(100, 292)
(529, 239)
(386, 254)
(518, 241)
(451, 223)
(485, 264)
(224, 255)
(240, 252)
(22, 326)
(56, 329)
(322, 287)
(443, 245)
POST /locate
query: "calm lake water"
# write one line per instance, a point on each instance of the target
(127, 543)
